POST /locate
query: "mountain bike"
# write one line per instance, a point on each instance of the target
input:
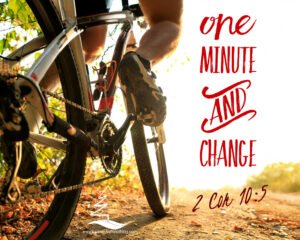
(77, 124)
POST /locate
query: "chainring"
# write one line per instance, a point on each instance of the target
(111, 160)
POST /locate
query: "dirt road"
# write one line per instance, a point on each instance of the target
(276, 216)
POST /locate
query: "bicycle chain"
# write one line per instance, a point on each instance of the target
(60, 190)
(68, 188)
(73, 104)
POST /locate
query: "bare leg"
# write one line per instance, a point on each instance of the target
(51, 79)
(93, 40)
(161, 39)
(164, 17)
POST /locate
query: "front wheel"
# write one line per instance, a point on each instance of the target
(149, 152)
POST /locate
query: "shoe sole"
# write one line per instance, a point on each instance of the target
(140, 83)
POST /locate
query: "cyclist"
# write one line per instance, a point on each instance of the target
(164, 18)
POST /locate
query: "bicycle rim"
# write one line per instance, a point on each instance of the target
(151, 163)
(55, 218)
(150, 158)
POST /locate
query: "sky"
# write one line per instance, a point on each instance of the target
(273, 93)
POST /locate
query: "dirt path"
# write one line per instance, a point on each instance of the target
(277, 216)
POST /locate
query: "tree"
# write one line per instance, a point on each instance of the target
(17, 23)
(281, 177)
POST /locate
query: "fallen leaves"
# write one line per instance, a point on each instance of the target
(238, 229)
(195, 223)
(9, 214)
(250, 222)
(8, 229)
(18, 219)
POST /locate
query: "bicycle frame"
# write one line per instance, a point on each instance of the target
(147, 140)
(73, 28)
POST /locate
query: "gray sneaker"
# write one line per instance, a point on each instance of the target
(150, 104)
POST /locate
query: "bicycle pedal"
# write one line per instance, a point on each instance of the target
(146, 118)
(152, 140)
(143, 116)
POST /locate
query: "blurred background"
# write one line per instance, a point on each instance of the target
(273, 94)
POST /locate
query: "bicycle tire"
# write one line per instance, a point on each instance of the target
(59, 215)
(152, 169)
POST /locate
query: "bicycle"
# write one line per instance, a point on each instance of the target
(86, 130)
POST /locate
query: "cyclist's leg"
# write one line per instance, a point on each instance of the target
(164, 18)
(93, 40)
(161, 39)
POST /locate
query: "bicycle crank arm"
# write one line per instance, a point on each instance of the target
(118, 138)
(72, 133)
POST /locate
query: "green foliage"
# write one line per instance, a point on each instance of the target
(127, 179)
(18, 13)
(281, 177)
(2, 165)
(17, 23)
